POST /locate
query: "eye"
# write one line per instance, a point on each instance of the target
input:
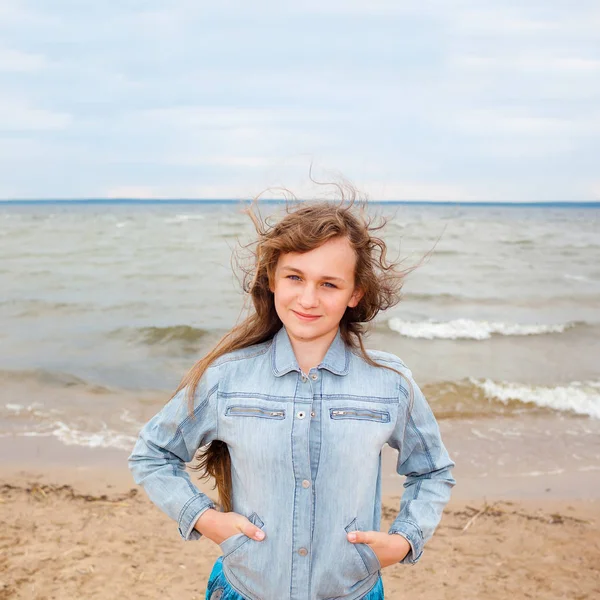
(329, 284)
(293, 277)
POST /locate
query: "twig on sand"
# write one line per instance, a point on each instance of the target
(44, 491)
(493, 510)
(486, 508)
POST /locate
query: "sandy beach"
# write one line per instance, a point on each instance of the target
(72, 531)
(106, 307)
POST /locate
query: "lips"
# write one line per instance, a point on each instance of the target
(305, 317)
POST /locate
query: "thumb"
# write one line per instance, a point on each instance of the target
(361, 537)
(252, 531)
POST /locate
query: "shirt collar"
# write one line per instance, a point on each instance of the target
(283, 359)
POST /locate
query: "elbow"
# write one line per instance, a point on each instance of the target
(441, 475)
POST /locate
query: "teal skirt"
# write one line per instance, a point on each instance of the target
(218, 587)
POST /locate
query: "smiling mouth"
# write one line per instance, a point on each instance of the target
(305, 317)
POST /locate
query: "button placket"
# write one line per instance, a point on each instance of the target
(302, 459)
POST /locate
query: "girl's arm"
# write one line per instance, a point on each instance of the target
(166, 443)
(425, 462)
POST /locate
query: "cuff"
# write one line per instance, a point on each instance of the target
(192, 510)
(413, 534)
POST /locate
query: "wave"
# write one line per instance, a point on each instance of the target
(582, 398)
(152, 336)
(35, 421)
(184, 218)
(31, 307)
(448, 299)
(53, 379)
(468, 329)
(479, 398)
(105, 438)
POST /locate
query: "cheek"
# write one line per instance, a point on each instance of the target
(336, 304)
(283, 293)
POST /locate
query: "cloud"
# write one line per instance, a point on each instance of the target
(16, 115)
(440, 99)
(16, 61)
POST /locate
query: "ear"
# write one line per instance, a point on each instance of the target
(356, 297)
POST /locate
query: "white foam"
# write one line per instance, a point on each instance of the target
(105, 438)
(534, 473)
(582, 398)
(19, 408)
(469, 329)
(184, 218)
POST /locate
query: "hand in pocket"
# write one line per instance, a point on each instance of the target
(218, 526)
(389, 548)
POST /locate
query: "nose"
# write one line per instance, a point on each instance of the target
(308, 297)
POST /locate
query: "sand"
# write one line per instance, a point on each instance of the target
(87, 532)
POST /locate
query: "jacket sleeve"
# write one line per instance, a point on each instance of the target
(168, 441)
(423, 459)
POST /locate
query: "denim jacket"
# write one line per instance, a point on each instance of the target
(305, 465)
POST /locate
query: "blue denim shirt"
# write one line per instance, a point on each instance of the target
(305, 465)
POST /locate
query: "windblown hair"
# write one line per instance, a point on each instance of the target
(304, 227)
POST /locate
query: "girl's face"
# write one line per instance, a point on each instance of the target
(312, 290)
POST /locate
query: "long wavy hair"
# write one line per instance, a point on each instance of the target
(304, 227)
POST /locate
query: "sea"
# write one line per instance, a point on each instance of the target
(105, 305)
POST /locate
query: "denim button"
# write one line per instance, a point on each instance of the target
(304, 379)
(312, 413)
(303, 552)
(306, 484)
(301, 414)
(314, 376)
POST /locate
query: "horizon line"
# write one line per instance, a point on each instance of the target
(174, 201)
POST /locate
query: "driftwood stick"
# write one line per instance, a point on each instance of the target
(472, 520)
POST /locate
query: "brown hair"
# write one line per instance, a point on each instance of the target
(304, 227)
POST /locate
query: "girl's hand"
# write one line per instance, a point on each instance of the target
(218, 526)
(389, 548)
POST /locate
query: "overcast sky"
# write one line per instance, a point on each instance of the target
(437, 100)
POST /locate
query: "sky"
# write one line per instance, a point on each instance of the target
(440, 100)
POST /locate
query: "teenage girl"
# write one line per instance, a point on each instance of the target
(290, 414)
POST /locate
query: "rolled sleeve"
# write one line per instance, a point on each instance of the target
(192, 510)
(413, 535)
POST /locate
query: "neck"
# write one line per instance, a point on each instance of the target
(311, 352)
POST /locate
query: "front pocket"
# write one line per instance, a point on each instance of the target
(236, 541)
(255, 411)
(366, 553)
(361, 414)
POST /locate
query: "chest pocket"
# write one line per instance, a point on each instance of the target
(255, 411)
(360, 414)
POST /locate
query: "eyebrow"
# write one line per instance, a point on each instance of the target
(299, 272)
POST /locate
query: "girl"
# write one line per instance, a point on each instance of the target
(293, 412)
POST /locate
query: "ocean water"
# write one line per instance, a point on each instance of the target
(103, 308)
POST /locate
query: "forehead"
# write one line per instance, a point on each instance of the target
(333, 258)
